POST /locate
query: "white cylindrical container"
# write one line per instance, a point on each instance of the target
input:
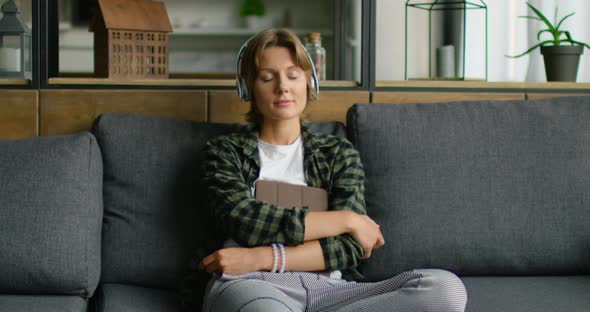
(445, 62)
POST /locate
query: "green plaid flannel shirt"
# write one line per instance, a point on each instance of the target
(330, 162)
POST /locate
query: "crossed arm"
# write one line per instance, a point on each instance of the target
(315, 241)
(304, 257)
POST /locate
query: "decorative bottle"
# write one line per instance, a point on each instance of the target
(317, 53)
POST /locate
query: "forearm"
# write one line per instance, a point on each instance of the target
(307, 257)
(322, 224)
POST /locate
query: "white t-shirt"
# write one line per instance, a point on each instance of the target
(284, 163)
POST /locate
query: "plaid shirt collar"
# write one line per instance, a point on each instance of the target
(250, 148)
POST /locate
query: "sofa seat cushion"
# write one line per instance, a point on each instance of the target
(51, 215)
(128, 298)
(477, 188)
(528, 294)
(42, 303)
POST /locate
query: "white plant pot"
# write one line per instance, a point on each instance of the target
(257, 22)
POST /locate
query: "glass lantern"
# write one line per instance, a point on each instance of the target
(15, 44)
(441, 45)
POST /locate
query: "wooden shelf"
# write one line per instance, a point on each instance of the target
(445, 84)
(219, 32)
(145, 82)
(175, 82)
(11, 81)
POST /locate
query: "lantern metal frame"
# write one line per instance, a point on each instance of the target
(17, 28)
(438, 5)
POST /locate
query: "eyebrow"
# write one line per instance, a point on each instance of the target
(288, 68)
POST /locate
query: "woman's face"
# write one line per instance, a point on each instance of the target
(280, 89)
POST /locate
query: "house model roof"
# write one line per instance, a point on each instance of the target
(144, 15)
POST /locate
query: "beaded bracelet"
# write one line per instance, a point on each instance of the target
(276, 258)
(283, 258)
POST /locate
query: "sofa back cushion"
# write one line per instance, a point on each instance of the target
(155, 206)
(478, 188)
(51, 215)
(157, 221)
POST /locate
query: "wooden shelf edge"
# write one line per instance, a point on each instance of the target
(482, 85)
(20, 82)
(338, 83)
(176, 82)
(146, 82)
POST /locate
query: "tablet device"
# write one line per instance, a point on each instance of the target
(287, 195)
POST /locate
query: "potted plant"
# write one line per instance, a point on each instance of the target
(561, 53)
(253, 12)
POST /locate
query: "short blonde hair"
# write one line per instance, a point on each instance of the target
(252, 57)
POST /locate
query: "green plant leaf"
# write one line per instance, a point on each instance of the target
(581, 43)
(542, 17)
(552, 29)
(563, 19)
(564, 40)
(252, 7)
(531, 17)
(541, 32)
(529, 50)
(558, 35)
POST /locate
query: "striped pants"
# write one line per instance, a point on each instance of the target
(416, 291)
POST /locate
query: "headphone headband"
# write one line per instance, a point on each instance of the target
(241, 85)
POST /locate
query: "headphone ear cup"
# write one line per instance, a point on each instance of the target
(244, 95)
(240, 81)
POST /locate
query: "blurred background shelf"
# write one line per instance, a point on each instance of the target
(217, 32)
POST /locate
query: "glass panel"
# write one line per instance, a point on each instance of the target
(27, 56)
(352, 45)
(25, 9)
(10, 50)
(439, 37)
(507, 35)
(208, 34)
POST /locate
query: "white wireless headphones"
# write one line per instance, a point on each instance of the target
(242, 87)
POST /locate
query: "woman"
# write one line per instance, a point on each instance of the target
(311, 249)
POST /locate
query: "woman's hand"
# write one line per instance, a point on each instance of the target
(368, 233)
(235, 261)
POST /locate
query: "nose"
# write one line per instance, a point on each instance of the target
(282, 85)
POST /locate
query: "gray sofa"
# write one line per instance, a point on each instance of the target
(115, 219)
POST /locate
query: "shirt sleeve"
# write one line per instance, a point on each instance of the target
(343, 252)
(242, 217)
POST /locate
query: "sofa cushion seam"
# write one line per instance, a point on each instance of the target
(88, 215)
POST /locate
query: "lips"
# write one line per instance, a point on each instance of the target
(283, 102)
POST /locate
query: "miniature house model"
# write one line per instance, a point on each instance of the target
(131, 39)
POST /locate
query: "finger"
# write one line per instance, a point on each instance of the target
(367, 253)
(212, 267)
(207, 260)
(381, 240)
